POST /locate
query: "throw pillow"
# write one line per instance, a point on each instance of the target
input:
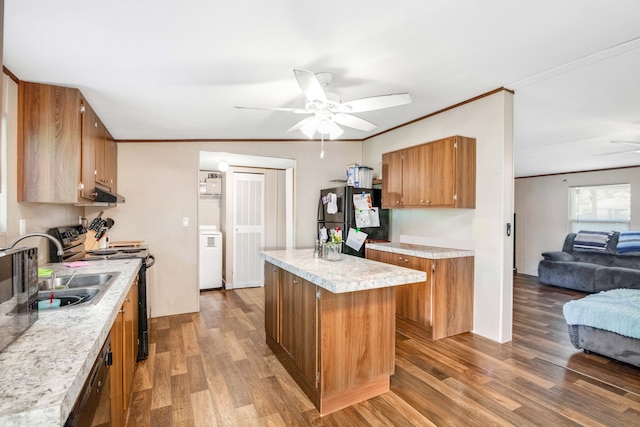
(629, 241)
(592, 241)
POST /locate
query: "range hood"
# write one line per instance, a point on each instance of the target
(104, 196)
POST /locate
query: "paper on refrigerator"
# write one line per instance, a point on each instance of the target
(355, 239)
(365, 214)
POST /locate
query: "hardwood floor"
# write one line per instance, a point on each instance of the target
(213, 368)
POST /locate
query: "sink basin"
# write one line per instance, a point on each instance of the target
(83, 280)
(83, 289)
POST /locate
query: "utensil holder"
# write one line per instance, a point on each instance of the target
(332, 251)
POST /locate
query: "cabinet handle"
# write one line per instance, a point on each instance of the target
(295, 281)
(121, 310)
(128, 299)
(406, 260)
(397, 202)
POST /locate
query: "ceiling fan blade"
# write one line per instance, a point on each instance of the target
(307, 126)
(353, 122)
(374, 103)
(626, 142)
(310, 86)
(290, 110)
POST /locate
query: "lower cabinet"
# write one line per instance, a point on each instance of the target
(124, 344)
(339, 348)
(443, 304)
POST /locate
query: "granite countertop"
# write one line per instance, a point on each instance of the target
(347, 275)
(420, 251)
(43, 371)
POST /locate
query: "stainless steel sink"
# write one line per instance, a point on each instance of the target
(83, 289)
(83, 280)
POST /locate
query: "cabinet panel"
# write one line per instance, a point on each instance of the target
(298, 323)
(49, 147)
(116, 370)
(417, 176)
(452, 296)
(392, 179)
(442, 172)
(413, 301)
(88, 165)
(130, 308)
(271, 273)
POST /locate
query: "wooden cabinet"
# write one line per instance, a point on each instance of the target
(124, 345)
(271, 311)
(339, 348)
(49, 148)
(437, 174)
(392, 179)
(64, 148)
(298, 324)
(443, 304)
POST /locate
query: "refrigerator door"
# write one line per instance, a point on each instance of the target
(324, 206)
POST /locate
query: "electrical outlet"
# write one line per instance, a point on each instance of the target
(185, 221)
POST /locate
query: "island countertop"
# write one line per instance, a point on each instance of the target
(44, 370)
(347, 275)
(420, 251)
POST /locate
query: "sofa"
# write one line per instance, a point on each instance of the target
(594, 261)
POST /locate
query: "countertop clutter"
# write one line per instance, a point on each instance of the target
(347, 275)
(43, 371)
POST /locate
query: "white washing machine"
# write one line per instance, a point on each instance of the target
(210, 257)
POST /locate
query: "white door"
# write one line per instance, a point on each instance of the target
(248, 226)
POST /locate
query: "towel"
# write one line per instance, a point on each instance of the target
(617, 310)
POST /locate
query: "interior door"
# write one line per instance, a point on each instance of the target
(248, 226)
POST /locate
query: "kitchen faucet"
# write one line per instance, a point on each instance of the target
(53, 239)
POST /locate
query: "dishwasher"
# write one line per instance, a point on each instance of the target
(93, 407)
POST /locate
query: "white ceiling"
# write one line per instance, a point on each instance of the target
(169, 69)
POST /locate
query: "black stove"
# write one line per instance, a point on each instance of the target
(73, 238)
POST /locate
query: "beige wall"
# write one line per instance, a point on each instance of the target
(160, 183)
(489, 120)
(542, 209)
(38, 216)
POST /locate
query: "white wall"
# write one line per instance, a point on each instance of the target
(39, 217)
(490, 121)
(542, 210)
(159, 181)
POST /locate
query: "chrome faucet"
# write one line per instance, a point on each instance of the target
(53, 239)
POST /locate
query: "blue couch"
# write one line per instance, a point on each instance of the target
(594, 262)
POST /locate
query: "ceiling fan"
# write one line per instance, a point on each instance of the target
(327, 109)
(633, 150)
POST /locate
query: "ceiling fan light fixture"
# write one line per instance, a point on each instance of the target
(309, 128)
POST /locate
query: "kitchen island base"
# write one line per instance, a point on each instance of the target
(338, 347)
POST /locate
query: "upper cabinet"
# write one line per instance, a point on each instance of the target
(437, 174)
(50, 143)
(64, 149)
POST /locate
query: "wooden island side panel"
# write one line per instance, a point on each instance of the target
(338, 347)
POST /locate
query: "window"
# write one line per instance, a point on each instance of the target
(601, 207)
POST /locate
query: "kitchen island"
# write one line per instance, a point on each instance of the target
(332, 323)
(42, 373)
(442, 305)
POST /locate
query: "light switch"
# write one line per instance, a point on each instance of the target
(185, 221)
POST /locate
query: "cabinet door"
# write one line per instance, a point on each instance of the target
(130, 341)
(116, 370)
(392, 179)
(416, 176)
(271, 273)
(298, 323)
(49, 147)
(442, 172)
(413, 301)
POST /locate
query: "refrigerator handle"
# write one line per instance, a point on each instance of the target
(320, 209)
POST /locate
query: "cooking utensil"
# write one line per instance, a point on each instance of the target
(101, 232)
(109, 222)
(96, 224)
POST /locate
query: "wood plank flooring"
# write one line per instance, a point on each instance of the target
(213, 368)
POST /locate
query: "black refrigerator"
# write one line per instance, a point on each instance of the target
(344, 217)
